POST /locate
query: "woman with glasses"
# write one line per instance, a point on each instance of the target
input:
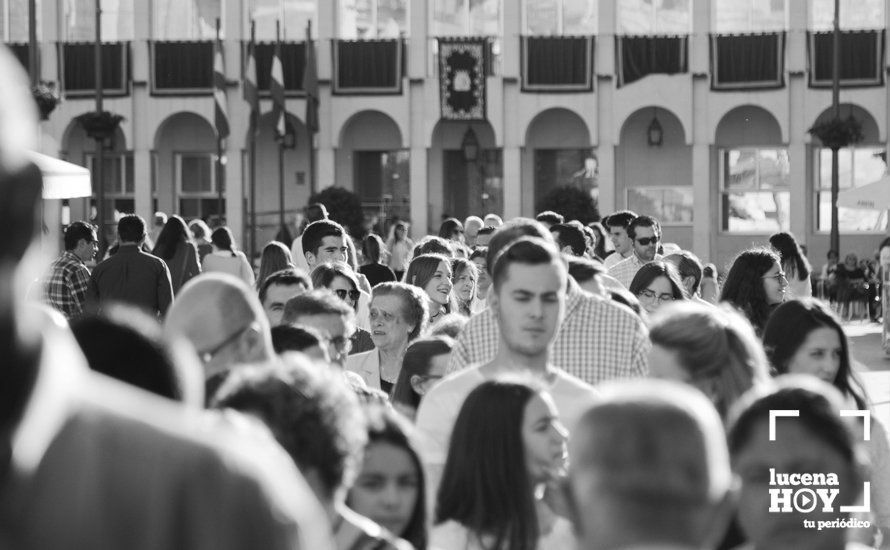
(655, 284)
(398, 315)
(755, 285)
(425, 363)
(340, 279)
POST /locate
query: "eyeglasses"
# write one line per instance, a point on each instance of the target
(351, 294)
(780, 276)
(646, 241)
(651, 296)
(207, 355)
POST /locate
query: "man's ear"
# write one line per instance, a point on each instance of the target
(310, 258)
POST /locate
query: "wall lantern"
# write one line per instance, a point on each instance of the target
(654, 133)
(470, 146)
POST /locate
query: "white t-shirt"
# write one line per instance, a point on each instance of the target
(440, 406)
(454, 536)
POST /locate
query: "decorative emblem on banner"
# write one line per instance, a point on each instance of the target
(462, 79)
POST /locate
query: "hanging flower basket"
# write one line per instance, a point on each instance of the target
(47, 98)
(100, 125)
(838, 133)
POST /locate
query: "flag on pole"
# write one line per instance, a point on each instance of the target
(251, 94)
(220, 118)
(310, 83)
(276, 87)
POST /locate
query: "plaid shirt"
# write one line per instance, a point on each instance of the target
(625, 270)
(598, 340)
(65, 288)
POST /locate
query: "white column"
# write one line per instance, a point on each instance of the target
(325, 163)
(234, 190)
(419, 194)
(142, 184)
(512, 182)
(703, 224)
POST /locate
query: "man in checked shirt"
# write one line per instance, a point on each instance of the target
(66, 286)
(598, 339)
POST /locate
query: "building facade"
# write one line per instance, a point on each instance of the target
(694, 111)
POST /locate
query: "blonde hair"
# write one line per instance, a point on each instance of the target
(716, 346)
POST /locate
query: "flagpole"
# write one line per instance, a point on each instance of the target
(219, 153)
(312, 182)
(281, 137)
(254, 122)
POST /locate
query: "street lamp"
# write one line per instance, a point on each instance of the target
(470, 146)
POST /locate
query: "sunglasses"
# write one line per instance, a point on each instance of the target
(646, 241)
(350, 294)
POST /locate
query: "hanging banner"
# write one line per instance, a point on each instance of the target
(462, 79)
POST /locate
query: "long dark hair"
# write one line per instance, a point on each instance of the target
(793, 261)
(449, 227)
(485, 485)
(222, 238)
(174, 234)
(416, 362)
(387, 426)
(275, 257)
(654, 270)
(743, 286)
(788, 328)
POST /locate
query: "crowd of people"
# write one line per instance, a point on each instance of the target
(528, 384)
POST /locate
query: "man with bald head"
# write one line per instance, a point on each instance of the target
(649, 469)
(224, 321)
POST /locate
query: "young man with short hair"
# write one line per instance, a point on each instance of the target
(528, 299)
(131, 276)
(278, 288)
(324, 241)
(598, 339)
(616, 224)
(66, 287)
(644, 233)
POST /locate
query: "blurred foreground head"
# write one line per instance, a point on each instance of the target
(649, 466)
(20, 188)
(223, 320)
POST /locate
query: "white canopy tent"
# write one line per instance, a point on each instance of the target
(62, 180)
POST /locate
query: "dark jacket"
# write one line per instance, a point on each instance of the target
(132, 277)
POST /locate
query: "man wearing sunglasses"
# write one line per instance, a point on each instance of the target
(645, 235)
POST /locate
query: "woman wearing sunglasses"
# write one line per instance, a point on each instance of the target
(339, 278)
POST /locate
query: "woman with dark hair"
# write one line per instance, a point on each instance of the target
(507, 445)
(483, 282)
(400, 247)
(452, 230)
(424, 364)
(432, 274)
(341, 280)
(656, 283)
(795, 265)
(275, 257)
(711, 348)
(805, 337)
(755, 285)
(464, 278)
(390, 488)
(710, 288)
(201, 237)
(603, 246)
(374, 270)
(397, 315)
(175, 247)
(225, 258)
